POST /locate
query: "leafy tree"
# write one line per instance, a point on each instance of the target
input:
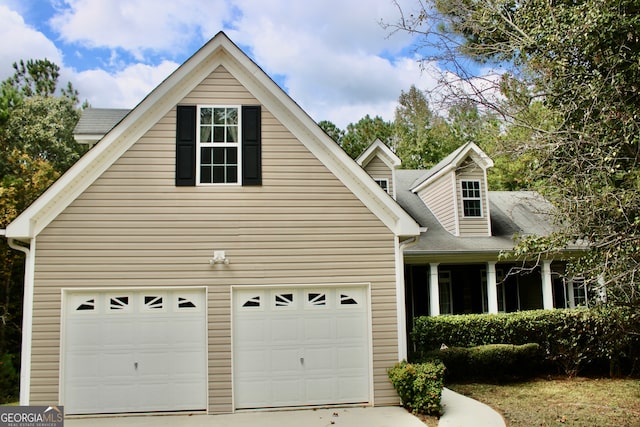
(360, 135)
(36, 146)
(332, 130)
(576, 64)
(416, 145)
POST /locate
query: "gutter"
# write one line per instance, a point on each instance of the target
(400, 296)
(27, 317)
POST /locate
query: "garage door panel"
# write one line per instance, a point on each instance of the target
(308, 338)
(320, 390)
(134, 351)
(284, 331)
(319, 328)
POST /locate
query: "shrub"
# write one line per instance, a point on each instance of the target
(602, 340)
(419, 385)
(493, 362)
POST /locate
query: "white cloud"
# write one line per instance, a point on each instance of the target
(123, 89)
(21, 41)
(332, 56)
(137, 26)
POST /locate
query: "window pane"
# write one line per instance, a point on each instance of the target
(218, 156)
(218, 174)
(472, 208)
(232, 174)
(206, 155)
(205, 133)
(205, 175)
(232, 156)
(219, 116)
(232, 116)
(205, 116)
(218, 134)
(232, 134)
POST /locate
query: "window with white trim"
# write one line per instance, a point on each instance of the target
(383, 183)
(218, 140)
(471, 199)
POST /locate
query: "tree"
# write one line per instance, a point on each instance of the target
(416, 146)
(577, 62)
(332, 130)
(36, 146)
(360, 135)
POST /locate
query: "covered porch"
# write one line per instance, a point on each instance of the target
(445, 288)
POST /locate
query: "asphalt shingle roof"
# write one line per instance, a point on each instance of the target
(99, 121)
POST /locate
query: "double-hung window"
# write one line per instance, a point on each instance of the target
(471, 199)
(219, 148)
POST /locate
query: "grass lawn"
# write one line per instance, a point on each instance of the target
(561, 401)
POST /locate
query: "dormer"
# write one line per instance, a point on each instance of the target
(455, 191)
(380, 162)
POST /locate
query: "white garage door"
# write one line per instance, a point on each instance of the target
(300, 347)
(134, 351)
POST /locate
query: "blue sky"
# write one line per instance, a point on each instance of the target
(331, 56)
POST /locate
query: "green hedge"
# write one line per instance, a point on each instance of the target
(493, 362)
(603, 340)
(419, 385)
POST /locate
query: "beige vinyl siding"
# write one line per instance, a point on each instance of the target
(378, 169)
(439, 198)
(134, 228)
(469, 227)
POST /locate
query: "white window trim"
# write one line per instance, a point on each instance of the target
(199, 145)
(386, 181)
(479, 198)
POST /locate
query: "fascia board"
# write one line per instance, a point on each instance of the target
(97, 160)
(221, 52)
(379, 149)
(472, 150)
(88, 139)
(433, 177)
(322, 146)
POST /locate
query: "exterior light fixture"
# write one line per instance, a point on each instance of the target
(219, 257)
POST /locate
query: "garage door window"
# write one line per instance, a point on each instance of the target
(88, 305)
(316, 299)
(152, 302)
(283, 300)
(119, 304)
(252, 302)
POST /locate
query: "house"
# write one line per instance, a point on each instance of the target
(216, 251)
(455, 266)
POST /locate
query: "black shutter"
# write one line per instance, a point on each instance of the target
(186, 145)
(251, 145)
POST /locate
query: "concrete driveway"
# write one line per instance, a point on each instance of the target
(390, 416)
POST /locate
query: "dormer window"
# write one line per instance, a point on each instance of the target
(471, 200)
(383, 183)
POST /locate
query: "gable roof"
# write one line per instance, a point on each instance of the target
(220, 50)
(512, 213)
(380, 149)
(451, 162)
(94, 123)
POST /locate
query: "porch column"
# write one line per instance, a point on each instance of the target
(547, 285)
(492, 288)
(434, 290)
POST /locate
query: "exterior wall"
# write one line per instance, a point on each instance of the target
(469, 171)
(134, 228)
(439, 198)
(378, 169)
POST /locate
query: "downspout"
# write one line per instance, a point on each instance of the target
(401, 297)
(27, 319)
